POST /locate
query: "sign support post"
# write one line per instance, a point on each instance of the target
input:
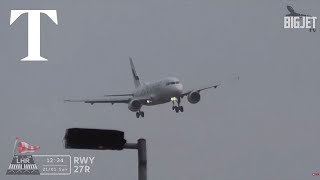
(142, 157)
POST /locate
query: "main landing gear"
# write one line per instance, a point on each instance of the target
(176, 108)
(139, 113)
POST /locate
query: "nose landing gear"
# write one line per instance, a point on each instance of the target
(177, 108)
(139, 113)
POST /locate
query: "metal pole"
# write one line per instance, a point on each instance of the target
(130, 146)
(141, 146)
(142, 159)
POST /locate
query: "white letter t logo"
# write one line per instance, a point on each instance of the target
(34, 30)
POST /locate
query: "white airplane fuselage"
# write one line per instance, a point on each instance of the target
(160, 92)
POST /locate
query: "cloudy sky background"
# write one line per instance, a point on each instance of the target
(265, 126)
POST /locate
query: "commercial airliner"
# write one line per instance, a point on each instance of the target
(162, 91)
(293, 13)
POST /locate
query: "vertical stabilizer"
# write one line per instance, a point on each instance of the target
(136, 79)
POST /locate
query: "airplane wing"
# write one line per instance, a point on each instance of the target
(110, 95)
(111, 100)
(235, 77)
(298, 15)
(303, 15)
(199, 89)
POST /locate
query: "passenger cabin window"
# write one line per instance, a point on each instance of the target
(169, 83)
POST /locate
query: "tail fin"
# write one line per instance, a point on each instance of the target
(290, 9)
(136, 79)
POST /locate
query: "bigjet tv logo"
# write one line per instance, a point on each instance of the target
(295, 20)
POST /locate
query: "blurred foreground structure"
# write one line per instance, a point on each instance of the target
(98, 139)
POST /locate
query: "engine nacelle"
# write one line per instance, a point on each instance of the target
(194, 97)
(134, 105)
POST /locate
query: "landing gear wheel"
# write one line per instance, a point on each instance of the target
(176, 109)
(137, 114)
(181, 108)
(141, 113)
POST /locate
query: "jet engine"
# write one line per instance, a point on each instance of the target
(194, 97)
(134, 105)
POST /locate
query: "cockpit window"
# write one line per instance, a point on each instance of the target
(175, 82)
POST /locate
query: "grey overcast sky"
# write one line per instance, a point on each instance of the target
(265, 126)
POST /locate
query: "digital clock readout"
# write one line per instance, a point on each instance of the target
(53, 164)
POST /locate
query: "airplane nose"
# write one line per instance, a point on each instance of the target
(179, 88)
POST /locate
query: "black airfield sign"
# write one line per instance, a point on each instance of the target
(79, 138)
